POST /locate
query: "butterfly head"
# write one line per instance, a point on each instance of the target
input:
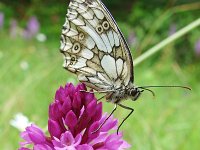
(135, 93)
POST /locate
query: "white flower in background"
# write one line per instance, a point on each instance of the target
(20, 122)
(41, 37)
(24, 65)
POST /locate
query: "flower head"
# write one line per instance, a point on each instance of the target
(132, 39)
(197, 48)
(73, 116)
(33, 27)
(1, 19)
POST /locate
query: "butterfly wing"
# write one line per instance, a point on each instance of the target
(94, 47)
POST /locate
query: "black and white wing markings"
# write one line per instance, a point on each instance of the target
(81, 56)
(93, 46)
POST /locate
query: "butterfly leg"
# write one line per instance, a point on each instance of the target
(131, 111)
(101, 98)
(115, 107)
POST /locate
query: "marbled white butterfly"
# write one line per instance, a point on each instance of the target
(97, 52)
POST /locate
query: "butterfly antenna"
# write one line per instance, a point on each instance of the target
(144, 88)
(163, 86)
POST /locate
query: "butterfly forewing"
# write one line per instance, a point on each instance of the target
(94, 48)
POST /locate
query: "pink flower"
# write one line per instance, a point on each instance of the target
(1, 19)
(197, 48)
(33, 27)
(73, 117)
(35, 136)
(132, 39)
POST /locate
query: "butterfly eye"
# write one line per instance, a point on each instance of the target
(99, 29)
(81, 36)
(76, 48)
(133, 92)
(106, 25)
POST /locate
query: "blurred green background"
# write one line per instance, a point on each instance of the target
(31, 69)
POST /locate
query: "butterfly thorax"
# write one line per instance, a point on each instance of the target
(123, 93)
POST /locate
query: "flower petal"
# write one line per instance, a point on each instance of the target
(67, 138)
(109, 124)
(78, 139)
(71, 119)
(33, 134)
(36, 138)
(55, 110)
(77, 101)
(88, 97)
(54, 128)
(124, 145)
(91, 107)
(83, 122)
(81, 86)
(84, 147)
(89, 133)
(100, 139)
(98, 113)
(56, 142)
(59, 92)
(42, 147)
(66, 105)
(69, 90)
(115, 141)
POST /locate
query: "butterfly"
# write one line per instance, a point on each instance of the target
(96, 51)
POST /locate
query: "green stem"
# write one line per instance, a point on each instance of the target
(167, 41)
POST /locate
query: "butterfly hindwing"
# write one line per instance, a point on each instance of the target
(94, 47)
